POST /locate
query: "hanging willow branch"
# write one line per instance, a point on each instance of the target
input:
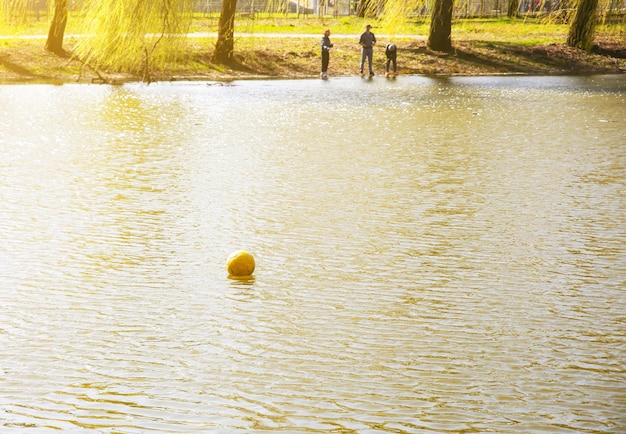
(137, 36)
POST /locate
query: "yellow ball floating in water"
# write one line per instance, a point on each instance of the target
(240, 264)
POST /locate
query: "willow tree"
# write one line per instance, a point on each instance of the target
(440, 34)
(19, 12)
(440, 37)
(15, 12)
(366, 8)
(225, 45)
(582, 29)
(54, 43)
(513, 8)
(133, 35)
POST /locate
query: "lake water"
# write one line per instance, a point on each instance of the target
(433, 255)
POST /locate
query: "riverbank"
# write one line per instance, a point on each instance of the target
(23, 60)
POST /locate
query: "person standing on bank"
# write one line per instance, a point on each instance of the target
(391, 51)
(367, 42)
(326, 46)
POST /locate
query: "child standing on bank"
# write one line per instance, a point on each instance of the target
(326, 46)
(391, 52)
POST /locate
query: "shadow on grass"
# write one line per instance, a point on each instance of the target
(612, 49)
(26, 74)
(264, 63)
(509, 58)
(20, 70)
(544, 58)
(502, 57)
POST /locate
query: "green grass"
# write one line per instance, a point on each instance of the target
(519, 30)
(291, 24)
(524, 31)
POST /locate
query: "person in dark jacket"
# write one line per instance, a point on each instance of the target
(367, 42)
(326, 46)
(391, 51)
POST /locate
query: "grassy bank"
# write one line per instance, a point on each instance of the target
(482, 46)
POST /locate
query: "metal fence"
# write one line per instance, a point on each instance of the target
(462, 8)
(303, 7)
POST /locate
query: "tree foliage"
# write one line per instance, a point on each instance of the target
(440, 36)
(366, 8)
(398, 11)
(14, 11)
(134, 35)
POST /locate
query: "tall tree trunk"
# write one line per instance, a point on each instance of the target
(440, 37)
(226, 32)
(57, 28)
(513, 8)
(583, 27)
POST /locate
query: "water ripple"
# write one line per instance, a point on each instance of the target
(432, 257)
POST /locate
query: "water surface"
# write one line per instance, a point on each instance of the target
(433, 255)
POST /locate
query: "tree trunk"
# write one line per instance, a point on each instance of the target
(226, 32)
(57, 28)
(583, 27)
(513, 8)
(440, 37)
